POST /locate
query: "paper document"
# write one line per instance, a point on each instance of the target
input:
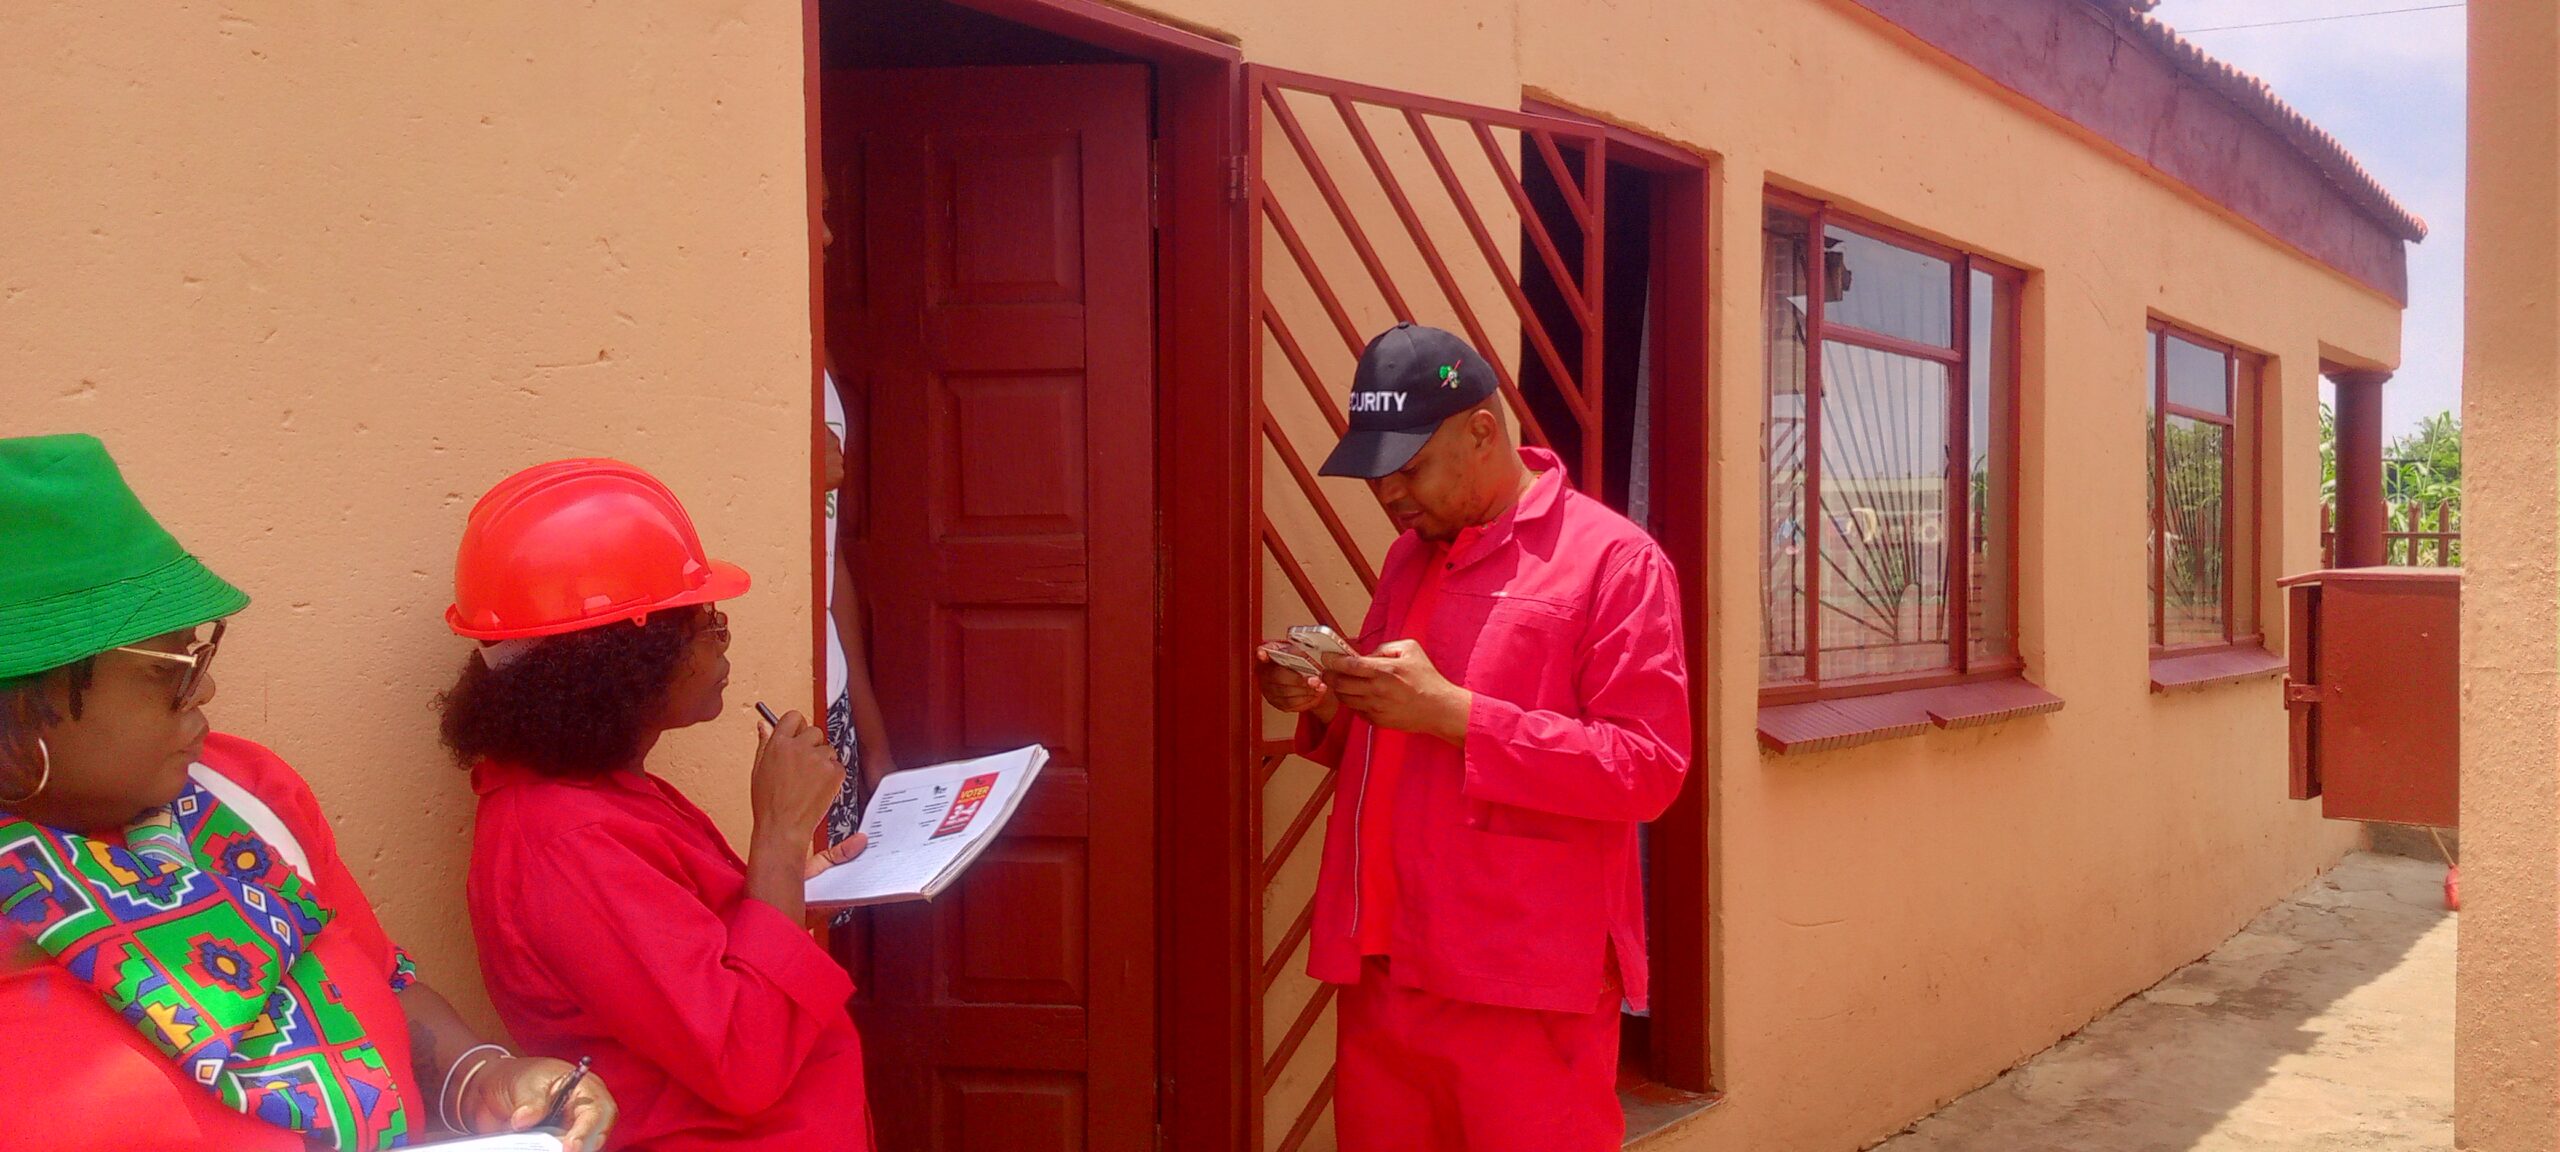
(507, 1142)
(926, 825)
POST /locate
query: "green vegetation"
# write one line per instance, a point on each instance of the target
(2424, 465)
(2421, 479)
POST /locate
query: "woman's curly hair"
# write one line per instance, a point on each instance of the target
(26, 711)
(577, 704)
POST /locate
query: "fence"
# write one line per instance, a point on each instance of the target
(2415, 533)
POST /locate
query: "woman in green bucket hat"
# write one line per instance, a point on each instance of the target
(188, 960)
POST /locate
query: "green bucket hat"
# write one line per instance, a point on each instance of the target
(83, 568)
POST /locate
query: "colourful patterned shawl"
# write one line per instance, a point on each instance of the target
(198, 934)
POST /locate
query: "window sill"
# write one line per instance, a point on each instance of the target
(1824, 725)
(2171, 672)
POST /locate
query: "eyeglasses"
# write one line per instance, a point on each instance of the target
(198, 658)
(715, 624)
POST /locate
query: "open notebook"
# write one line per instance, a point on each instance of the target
(926, 825)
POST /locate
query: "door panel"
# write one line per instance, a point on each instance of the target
(1000, 350)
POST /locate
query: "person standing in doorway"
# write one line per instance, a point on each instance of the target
(1519, 704)
(855, 728)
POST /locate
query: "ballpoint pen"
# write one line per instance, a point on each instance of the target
(560, 1103)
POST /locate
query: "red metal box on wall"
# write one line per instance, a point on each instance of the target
(2374, 692)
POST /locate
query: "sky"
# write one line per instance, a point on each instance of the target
(2389, 87)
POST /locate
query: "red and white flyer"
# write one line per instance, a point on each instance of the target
(973, 796)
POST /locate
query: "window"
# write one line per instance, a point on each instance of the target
(1891, 513)
(2203, 523)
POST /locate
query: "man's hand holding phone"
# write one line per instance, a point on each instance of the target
(1398, 687)
(1291, 672)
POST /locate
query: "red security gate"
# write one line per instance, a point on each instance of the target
(1369, 207)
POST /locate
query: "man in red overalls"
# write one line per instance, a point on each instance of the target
(1520, 706)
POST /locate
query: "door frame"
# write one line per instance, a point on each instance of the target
(1680, 892)
(1205, 457)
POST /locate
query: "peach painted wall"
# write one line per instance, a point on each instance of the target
(319, 275)
(1896, 924)
(2507, 978)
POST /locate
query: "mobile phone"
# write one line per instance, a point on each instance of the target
(1318, 641)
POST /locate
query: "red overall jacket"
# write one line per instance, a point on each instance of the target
(614, 923)
(1515, 855)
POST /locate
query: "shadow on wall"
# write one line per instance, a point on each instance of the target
(2327, 1023)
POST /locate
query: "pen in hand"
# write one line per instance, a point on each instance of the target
(770, 720)
(556, 1118)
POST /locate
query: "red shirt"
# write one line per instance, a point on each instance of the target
(614, 923)
(1376, 821)
(86, 1079)
(1516, 874)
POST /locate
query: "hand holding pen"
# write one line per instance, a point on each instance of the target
(552, 1120)
(797, 775)
(527, 1093)
(841, 850)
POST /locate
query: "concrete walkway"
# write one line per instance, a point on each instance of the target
(2325, 1026)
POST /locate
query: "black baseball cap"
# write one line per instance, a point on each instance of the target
(1411, 377)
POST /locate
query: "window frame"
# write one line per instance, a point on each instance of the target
(1820, 217)
(2244, 390)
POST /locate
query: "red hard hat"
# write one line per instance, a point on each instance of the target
(576, 543)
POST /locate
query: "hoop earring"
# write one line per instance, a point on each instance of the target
(41, 781)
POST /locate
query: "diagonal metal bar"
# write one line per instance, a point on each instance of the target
(1586, 315)
(1297, 1033)
(1367, 142)
(1568, 385)
(1297, 575)
(1268, 767)
(1296, 354)
(1539, 237)
(1278, 961)
(1306, 261)
(1305, 368)
(1306, 479)
(1332, 193)
(1298, 828)
(1307, 1117)
(1581, 207)
(1495, 255)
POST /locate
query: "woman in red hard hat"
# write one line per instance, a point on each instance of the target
(614, 921)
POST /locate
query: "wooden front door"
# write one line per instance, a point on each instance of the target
(990, 321)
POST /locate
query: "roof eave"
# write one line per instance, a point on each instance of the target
(2126, 80)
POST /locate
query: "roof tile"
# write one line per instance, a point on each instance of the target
(2254, 97)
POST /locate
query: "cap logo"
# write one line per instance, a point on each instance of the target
(1448, 375)
(1377, 401)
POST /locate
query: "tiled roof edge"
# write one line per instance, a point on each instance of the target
(2252, 95)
